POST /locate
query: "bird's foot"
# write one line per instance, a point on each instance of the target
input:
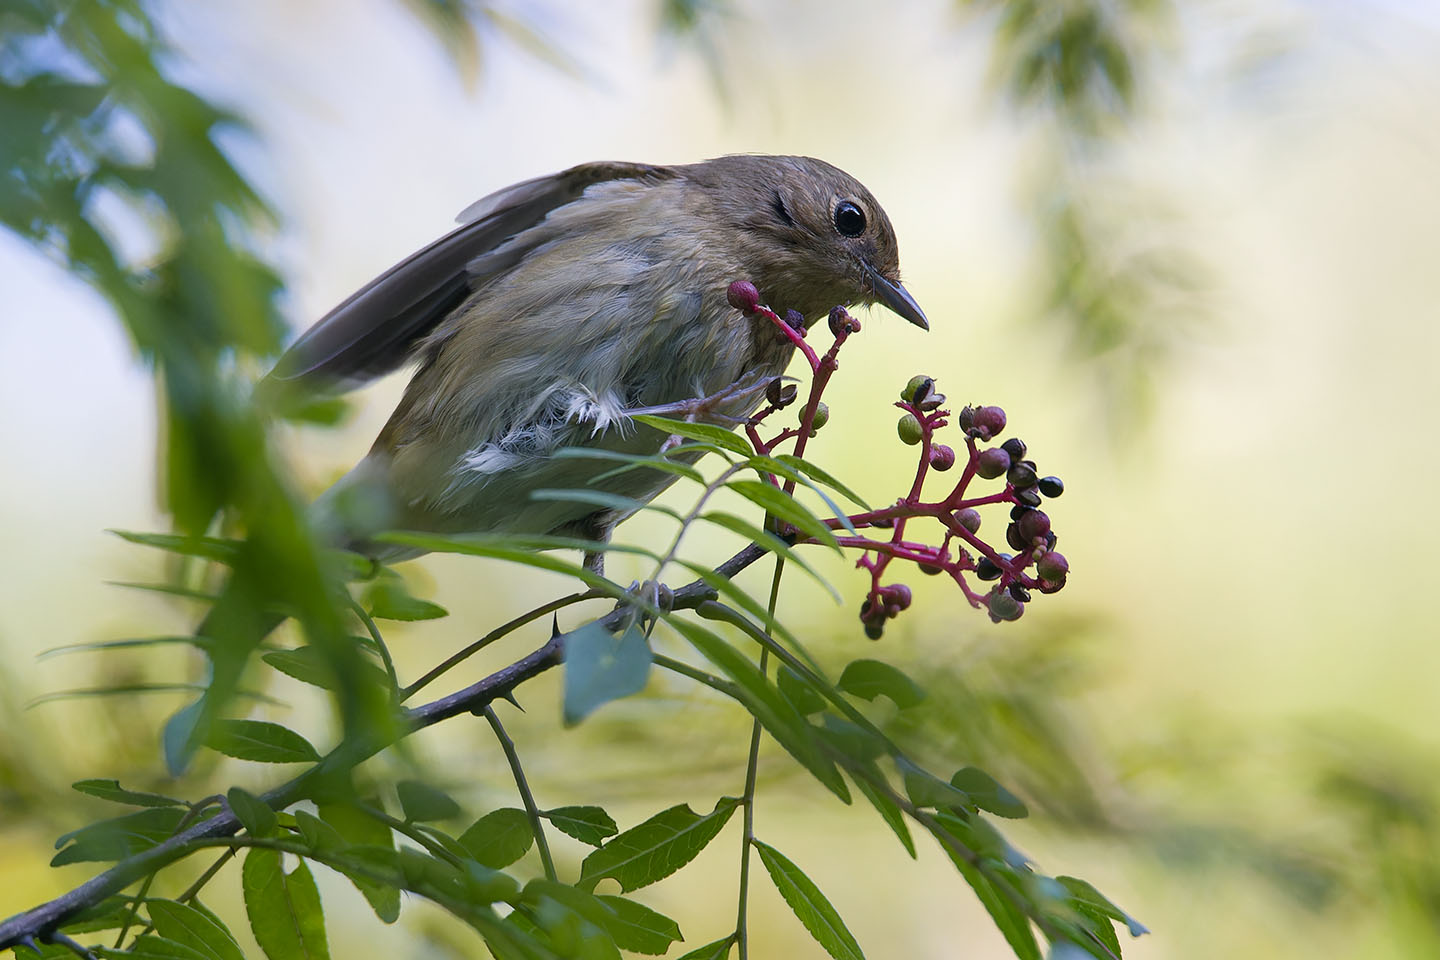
(652, 592)
(743, 394)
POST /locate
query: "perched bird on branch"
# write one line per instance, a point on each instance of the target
(565, 303)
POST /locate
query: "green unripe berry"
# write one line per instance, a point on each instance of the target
(910, 430)
(822, 416)
(918, 385)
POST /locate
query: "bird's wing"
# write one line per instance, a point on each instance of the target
(373, 331)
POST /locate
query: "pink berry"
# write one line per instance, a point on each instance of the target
(743, 296)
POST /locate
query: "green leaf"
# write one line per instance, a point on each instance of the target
(199, 930)
(868, 679)
(206, 548)
(927, 790)
(888, 809)
(987, 794)
(108, 914)
(775, 501)
(709, 433)
(422, 802)
(1084, 893)
(112, 791)
(769, 541)
(499, 838)
(765, 703)
(637, 928)
(259, 741)
(600, 498)
(317, 834)
(587, 824)
(810, 905)
(799, 691)
(600, 667)
(118, 838)
(254, 815)
(716, 950)
(361, 829)
(308, 665)
(658, 847)
(284, 911)
(388, 599)
(773, 466)
(154, 948)
(632, 461)
(481, 545)
(1009, 919)
(815, 473)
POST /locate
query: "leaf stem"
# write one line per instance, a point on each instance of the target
(531, 811)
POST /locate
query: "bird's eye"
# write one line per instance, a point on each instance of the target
(849, 219)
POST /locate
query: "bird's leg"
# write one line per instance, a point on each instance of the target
(742, 394)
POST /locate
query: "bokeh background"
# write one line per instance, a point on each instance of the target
(1210, 302)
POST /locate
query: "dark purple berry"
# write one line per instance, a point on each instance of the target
(1033, 525)
(743, 296)
(1012, 537)
(780, 394)
(1052, 486)
(929, 569)
(969, 518)
(966, 420)
(840, 321)
(1020, 476)
(897, 594)
(1029, 497)
(883, 523)
(992, 463)
(1018, 591)
(942, 457)
(796, 321)
(989, 422)
(986, 569)
(875, 630)
(1052, 566)
(1018, 510)
(1052, 586)
(1050, 539)
(1015, 447)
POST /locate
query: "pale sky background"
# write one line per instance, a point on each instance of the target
(1263, 554)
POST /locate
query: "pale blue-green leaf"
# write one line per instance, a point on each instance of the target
(600, 667)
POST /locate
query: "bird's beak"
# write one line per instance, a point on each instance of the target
(895, 297)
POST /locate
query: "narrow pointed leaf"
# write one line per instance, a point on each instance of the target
(810, 905)
(700, 431)
(775, 501)
(117, 838)
(716, 950)
(112, 791)
(987, 793)
(769, 541)
(816, 473)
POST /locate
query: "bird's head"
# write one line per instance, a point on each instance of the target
(810, 235)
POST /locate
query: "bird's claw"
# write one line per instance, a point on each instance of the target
(746, 390)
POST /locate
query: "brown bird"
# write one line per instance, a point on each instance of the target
(564, 304)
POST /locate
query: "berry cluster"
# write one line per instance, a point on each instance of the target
(1014, 577)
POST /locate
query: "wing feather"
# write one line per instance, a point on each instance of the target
(374, 330)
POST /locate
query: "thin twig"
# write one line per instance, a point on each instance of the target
(531, 811)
